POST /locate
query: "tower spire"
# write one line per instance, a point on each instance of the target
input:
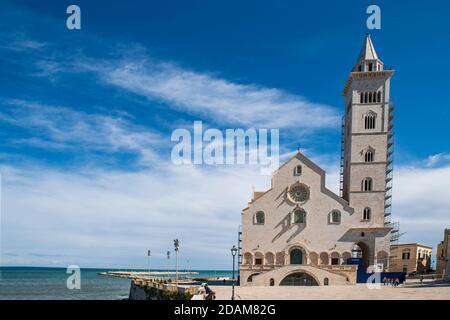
(368, 58)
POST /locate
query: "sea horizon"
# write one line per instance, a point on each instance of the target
(50, 283)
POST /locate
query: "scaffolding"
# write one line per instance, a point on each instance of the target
(341, 179)
(395, 226)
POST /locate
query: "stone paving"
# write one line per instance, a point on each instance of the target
(411, 290)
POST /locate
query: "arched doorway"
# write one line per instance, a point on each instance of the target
(361, 250)
(299, 279)
(296, 256)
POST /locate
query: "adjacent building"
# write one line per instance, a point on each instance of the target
(410, 258)
(443, 256)
(301, 233)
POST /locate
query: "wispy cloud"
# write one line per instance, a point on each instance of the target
(214, 98)
(59, 127)
(199, 93)
(437, 159)
(20, 42)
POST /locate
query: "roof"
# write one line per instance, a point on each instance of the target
(412, 244)
(367, 51)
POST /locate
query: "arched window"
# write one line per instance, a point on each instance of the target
(361, 97)
(370, 97)
(326, 281)
(298, 170)
(260, 217)
(368, 156)
(335, 217)
(299, 216)
(366, 214)
(379, 96)
(366, 97)
(369, 121)
(367, 184)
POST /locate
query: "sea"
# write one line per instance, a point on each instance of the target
(38, 283)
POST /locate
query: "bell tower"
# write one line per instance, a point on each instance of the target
(367, 138)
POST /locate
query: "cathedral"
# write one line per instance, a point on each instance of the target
(301, 233)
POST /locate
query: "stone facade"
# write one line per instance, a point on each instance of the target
(410, 258)
(300, 232)
(443, 256)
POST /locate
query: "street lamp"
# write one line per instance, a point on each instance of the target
(176, 244)
(149, 253)
(233, 253)
(168, 259)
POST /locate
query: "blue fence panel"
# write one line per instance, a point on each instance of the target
(362, 275)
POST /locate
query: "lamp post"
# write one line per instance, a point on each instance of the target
(233, 253)
(176, 244)
(149, 253)
(188, 269)
(168, 262)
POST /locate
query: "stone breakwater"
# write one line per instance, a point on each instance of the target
(153, 289)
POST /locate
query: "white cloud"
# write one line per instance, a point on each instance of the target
(217, 99)
(437, 159)
(104, 218)
(58, 127)
(421, 203)
(100, 218)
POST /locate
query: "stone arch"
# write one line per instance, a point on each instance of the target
(248, 258)
(250, 277)
(313, 258)
(361, 250)
(259, 258)
(323, 258)
(298, 250)
(335, 258)
(280, 258)
(269, 259)
(296, 277)
(345, 256)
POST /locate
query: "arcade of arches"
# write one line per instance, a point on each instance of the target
(299, 256)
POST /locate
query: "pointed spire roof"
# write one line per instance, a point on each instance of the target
(367, 51)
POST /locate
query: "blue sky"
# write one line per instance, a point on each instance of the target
(86, 118)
